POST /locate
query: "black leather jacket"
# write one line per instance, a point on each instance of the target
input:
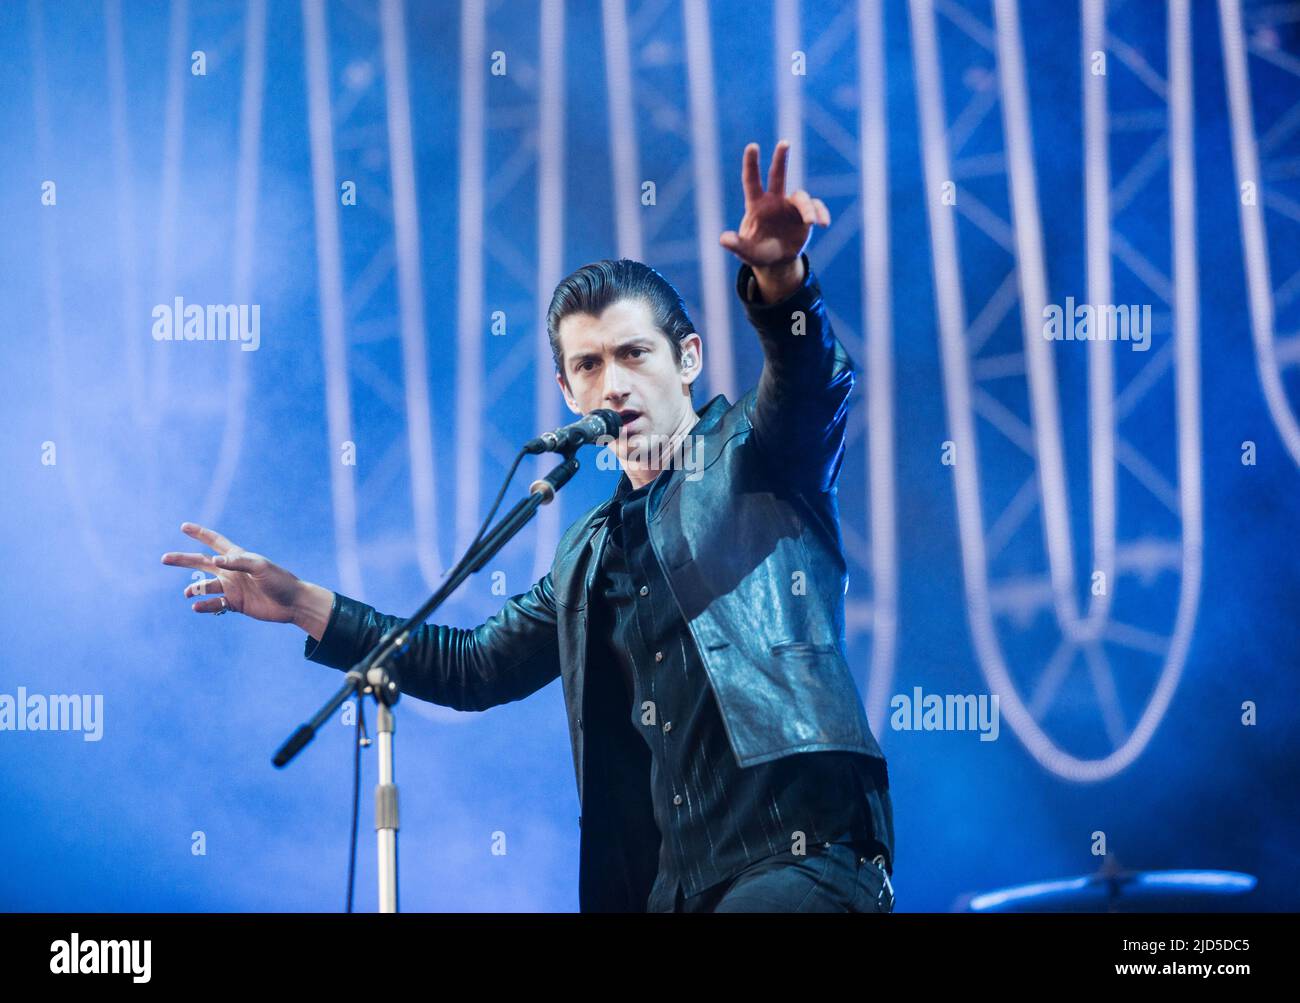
(751, 548)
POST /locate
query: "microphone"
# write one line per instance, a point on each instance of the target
(600, 422)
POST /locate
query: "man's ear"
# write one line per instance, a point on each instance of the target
(568, 398)
(692, 363)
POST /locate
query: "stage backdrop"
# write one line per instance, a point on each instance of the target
(1100, 533)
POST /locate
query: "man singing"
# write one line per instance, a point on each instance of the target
(695, 619)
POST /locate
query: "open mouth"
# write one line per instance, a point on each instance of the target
(629, 417)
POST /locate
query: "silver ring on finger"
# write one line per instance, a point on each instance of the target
(225, 607)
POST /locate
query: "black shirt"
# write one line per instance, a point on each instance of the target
(714, 817)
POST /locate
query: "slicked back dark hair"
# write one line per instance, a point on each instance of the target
(595, 286)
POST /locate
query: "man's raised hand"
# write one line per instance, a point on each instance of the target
(776, 227)
(247, 582)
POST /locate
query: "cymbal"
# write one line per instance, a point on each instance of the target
(1114, 888)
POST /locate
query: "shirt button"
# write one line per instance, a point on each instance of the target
(677, 799)
(659, 656)
(645, 590)
(668, 726)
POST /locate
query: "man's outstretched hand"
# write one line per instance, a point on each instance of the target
(776, 226)
(250, 584)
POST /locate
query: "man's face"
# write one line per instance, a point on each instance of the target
(622, 361)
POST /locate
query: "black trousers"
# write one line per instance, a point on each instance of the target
(840, 876)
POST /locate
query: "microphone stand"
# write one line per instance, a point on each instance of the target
(372, 675)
